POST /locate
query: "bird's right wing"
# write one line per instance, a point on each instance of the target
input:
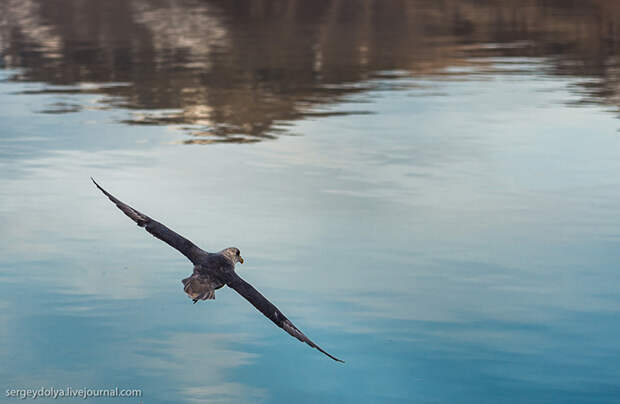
(157, 229)
(268, 309)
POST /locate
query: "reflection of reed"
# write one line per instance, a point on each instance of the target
(32, 30)
(180, 35)
(232, 71)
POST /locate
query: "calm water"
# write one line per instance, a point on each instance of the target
(429, 191)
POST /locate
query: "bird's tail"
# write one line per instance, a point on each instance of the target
(198, 290)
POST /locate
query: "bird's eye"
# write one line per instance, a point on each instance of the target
(238, 252)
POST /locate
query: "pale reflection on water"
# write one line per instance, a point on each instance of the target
(427, 190)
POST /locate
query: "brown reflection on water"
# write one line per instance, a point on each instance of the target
(241, 71)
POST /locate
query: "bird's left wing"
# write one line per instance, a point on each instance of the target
(268, 309)
(183, 245)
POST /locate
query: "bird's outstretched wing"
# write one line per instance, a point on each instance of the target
(157, 229)
(268, 309)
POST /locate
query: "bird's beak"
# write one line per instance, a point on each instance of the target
(241, 259)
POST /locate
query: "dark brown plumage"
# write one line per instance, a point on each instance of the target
(212, 271)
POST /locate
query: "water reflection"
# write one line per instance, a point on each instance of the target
(238, 71)
(447, 222)
(209, 357)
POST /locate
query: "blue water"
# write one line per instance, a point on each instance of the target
(452, 233)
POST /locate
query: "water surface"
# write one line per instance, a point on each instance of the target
(429, 191)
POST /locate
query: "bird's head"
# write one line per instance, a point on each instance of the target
(233, 254)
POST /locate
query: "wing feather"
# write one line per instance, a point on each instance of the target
(183, 245)
(270, 311)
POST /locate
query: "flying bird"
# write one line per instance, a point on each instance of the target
(212, 271)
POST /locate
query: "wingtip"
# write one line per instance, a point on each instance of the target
(97, 185)
(329, 355)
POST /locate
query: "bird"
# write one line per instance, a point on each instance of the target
(212, 271)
